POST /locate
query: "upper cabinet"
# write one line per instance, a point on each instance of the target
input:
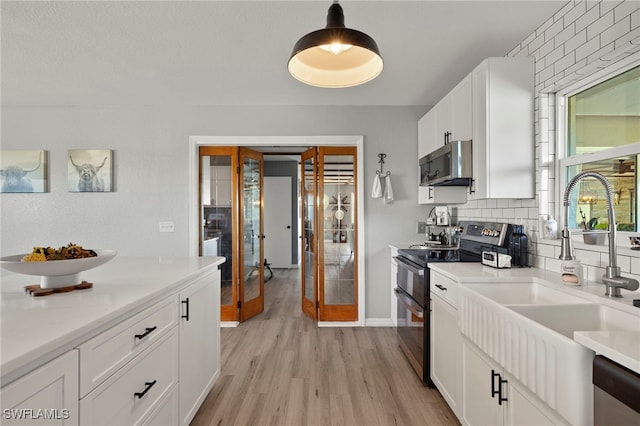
(503, 133)
(492, 106)
(431, 137)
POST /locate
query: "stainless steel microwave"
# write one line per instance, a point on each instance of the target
(450, 165)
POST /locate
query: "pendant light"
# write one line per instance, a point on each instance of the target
(335, 56)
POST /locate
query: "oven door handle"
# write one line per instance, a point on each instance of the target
(410, 266)
(409, 303)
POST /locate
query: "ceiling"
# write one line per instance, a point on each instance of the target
(209, 53)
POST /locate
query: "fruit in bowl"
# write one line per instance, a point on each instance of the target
(56, 272)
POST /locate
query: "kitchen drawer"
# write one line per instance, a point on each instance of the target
(103, 355)
(445, 287)
(134, 392)
(166, 412)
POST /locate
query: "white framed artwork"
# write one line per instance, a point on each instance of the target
(90, 170)
(23, 171)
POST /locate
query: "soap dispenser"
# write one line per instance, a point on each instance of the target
(570, 268)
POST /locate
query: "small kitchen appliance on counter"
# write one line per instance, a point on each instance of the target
(496, 260)
(413, 285)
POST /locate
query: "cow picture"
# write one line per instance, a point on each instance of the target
(22, 171)
(89, 170)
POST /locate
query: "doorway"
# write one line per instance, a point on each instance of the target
(272, 145)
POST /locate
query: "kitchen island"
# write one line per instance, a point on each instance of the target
(143, 314)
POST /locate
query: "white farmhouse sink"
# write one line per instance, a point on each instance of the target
(527, 293)
(528, 329)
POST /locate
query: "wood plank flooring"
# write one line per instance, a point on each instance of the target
(279, 368)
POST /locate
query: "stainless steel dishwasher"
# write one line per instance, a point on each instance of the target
(616, 394)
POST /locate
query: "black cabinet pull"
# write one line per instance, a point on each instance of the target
(494, 392)
(186, 315)
(148, 331)
(431, 192)
(501, 399)
(443, 288)
(147, 386)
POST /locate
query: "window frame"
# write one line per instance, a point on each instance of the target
(564, 161)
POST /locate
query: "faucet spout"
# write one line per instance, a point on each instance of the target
(612, 279)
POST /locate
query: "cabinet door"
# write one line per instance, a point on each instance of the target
(478, 405)
(443, 120)
(523, 409)
(427, 134)
(442, 194)
(462, 110)
(199, 343)
(393, 278)
(48, 395)
(445, 340)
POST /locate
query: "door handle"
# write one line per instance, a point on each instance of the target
(494, 392)
(186, 315)
(443, 288)
(501, 399)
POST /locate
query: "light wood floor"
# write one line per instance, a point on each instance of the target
(280, 369)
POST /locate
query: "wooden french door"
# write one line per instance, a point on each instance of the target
(329, 272)
(232, 226)
(251, 234)
(309, 195)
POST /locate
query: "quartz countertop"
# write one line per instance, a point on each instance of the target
(35, 330)
(620, 346)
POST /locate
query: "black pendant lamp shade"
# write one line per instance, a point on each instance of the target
(335, 56)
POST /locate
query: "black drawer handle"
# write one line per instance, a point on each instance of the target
(494, 392)
(501, 399)
(148, 331)
(186, 314)
(443, 288)
(148, 385)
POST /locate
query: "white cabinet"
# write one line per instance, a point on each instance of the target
(503, 132)
(429, 139)
(445, 340)
(393, 279)
(137, 389)
(490, 396)
(199, 344)
(47, 395)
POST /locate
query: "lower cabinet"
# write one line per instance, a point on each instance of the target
(199, 344)
(47, 395)
(155, 367)
(136, 389)
(490, 396)
(445, 341)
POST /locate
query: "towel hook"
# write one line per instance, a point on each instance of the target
(382, 156)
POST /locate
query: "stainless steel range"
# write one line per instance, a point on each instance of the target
(412, 291)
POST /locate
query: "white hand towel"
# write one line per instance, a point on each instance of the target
(388, 189)
(376, 191)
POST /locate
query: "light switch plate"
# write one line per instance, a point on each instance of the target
(422, 227)
(165, 226)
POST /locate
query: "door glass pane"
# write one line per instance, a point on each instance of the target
(338, 202)
(216, 193)
(308, 206)
(251, 226)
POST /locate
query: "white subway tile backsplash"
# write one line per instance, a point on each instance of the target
(564, 35)
(616, 31)
(565, 62)
(589, 257)
(600, 25)
(635, 19)
(582, 52)
(625, 9)
(579, 9)
(590, 16)
(492, 203)
(574, 42)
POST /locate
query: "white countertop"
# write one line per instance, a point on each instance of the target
(35, 330)
(622, 347)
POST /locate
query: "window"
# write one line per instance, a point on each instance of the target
(603, 135)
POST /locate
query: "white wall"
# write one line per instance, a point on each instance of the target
(151, 175)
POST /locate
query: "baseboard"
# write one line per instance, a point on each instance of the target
(378, 322)
(229, 324)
